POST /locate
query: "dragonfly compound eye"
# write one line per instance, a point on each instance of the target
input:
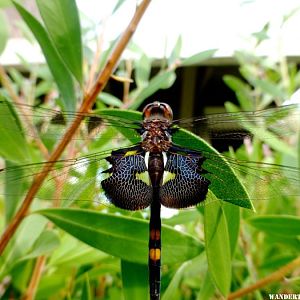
(158, 109)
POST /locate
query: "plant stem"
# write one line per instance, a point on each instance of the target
(276, 276)
(88, 101)
(35, 278)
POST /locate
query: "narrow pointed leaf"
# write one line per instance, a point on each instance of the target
(142, 71)
(217, 246)
(62, 23)
(173, 289)
(198, 58)
(57, 67)
(232, 213)
(175, 54)
(86, 289)
(13, 145)
(161, 81)
(284, 225)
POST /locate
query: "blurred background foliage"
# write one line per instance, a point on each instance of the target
(74, 270)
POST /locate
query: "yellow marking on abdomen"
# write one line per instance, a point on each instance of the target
(154, 254)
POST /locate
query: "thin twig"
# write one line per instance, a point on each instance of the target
(35, 278)
(276, 276)
(87, 103)
(95, 63)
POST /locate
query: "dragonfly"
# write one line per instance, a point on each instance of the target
(165, 165)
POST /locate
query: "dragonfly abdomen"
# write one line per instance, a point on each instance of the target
(156, 171)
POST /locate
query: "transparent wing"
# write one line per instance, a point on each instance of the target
(49, 124)
(78, 181)
(267, 124)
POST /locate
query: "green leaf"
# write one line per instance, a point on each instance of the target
(198, 58)
(242, 90)
(173, 287)
(72, 253)
(284, 225)
(86, 289)
(20, 275)
(110, 99)
(58, 69)
(53, 285)
(183, 217)
(207, 289)
(269, 87)
(32, 226)
(232, 214)
(224, 182)
(175, 54)
(217, 246)
(162, 80)
(13, 191)
(142, 71)
(3, 31)
(135, 280)
(13, 145)
(120, 115)
(45, 244)
(121, 236)
(62, 22)
(117, 6)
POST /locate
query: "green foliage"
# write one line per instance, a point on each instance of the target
(11, 135)
(96, 247)
(216, 238)
(287, 226)
(272, 239)
(114, 235)
(64, 32)
(135, 280)
(57, 66)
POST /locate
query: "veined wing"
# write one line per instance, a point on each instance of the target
(78, 181)
(49, 125)
(268, 125)
(260, 182)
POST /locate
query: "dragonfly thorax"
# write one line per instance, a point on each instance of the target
(157, 121)
(156, 137)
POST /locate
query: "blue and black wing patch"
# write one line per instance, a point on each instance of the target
(183, 184)
(128, 185)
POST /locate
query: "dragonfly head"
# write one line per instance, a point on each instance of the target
(157, 110)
